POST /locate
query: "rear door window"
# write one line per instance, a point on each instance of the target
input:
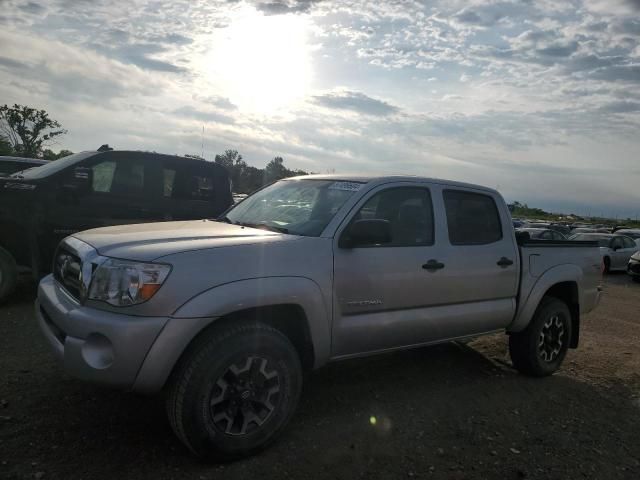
(617, 243)
(472, 218)
(628, 243)
(188, 183)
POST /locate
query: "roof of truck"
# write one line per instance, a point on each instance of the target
(380, 179)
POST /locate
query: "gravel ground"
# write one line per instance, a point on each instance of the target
(446, 412)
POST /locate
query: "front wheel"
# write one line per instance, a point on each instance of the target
(540, 348)
(234, 391)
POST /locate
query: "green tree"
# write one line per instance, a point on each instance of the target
(5, 147)
(28, 129)
(275, 170)
(48, 154)
(228, 159)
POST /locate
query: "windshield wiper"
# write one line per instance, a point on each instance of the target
(265, 226)
(224, 219)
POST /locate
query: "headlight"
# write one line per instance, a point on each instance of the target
(122, 283)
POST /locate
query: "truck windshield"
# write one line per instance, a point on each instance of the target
(298, 207)
(52, 167)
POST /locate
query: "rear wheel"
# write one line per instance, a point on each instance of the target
(607, 265)
(234, 391)
(540, 349)
(8, 275)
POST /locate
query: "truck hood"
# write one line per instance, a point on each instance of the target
(150, 241)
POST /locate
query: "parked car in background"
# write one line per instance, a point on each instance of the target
(632, 233)
(616, 250)
(542, 234)
(583, 230)
(558, 227)
(41, 206)
(225, 317)
(9, 165)
(517, 223)
(633, 267)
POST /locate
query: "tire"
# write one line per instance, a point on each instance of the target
(8, 275)
(607, 265)
(247, 368)
(539, 350)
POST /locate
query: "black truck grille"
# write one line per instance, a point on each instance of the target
(634, 267)
(67, 270)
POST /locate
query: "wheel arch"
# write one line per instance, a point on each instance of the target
(294, 306)
(561, 282)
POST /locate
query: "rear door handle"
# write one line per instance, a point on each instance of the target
(433, 265)
(505, 262)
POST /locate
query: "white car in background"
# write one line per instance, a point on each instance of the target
(632, 233)
(616, 249)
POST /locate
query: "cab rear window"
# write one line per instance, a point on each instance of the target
(472, 218)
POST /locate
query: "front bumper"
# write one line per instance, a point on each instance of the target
(94, 345)
(633, 268)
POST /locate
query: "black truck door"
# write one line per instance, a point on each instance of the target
(119, 193)
(192, 189)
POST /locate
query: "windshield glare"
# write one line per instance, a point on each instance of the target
(299, 207)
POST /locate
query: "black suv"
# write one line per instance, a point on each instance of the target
(41, 206)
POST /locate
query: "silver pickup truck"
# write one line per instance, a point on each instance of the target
(225, 316)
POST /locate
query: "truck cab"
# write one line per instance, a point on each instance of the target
(40, 206)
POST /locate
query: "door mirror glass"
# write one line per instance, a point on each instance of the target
(368, 232)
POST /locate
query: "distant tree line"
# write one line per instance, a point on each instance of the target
(247, 179)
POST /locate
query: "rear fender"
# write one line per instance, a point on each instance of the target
(553, 276)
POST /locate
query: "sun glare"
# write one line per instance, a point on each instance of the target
(262, 62)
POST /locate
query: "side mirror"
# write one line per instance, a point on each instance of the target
(80, 180)
(366, 233)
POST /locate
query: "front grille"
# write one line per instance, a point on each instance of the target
(67, 270)
(634, 267)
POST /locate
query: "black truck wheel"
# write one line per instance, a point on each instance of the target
(234, 391)
(8, 275)
(540, 349)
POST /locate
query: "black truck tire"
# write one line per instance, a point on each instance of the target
(541, 347)
(8, 275)
(234, 391)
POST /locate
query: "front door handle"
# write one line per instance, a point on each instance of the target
(433, 265)
(505, 262)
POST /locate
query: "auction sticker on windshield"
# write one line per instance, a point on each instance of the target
(348, 186)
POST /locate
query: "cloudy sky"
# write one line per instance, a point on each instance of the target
(539, 98)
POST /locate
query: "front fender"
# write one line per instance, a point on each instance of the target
(205, 308)
(553, 276)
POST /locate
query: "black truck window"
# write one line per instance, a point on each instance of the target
(118, 177)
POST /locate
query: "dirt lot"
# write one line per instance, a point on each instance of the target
(450, 411)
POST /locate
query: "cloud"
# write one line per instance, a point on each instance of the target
(620, 107)
(32, 7)
(12, 63)
(356, 102)
(203, 115)
(71, 73)
(284, 7)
